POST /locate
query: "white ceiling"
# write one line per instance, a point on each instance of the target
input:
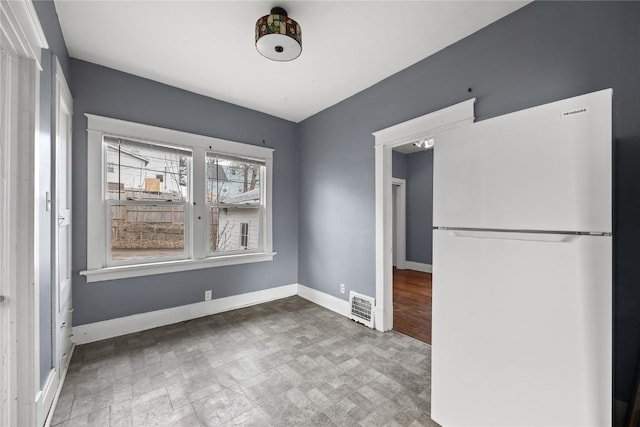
(208, 47)
(408, 148)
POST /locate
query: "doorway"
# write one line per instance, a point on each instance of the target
(412, 196)
(416, 130)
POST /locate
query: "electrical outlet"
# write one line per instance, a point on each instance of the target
(342, 288)
(207, 295)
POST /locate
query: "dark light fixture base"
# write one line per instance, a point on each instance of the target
(278, 11)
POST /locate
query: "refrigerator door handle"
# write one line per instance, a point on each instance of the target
(505, 235)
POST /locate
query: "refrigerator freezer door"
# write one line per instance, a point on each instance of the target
(521, 330)
(544, 168)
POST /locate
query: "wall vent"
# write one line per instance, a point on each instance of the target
(361, 308)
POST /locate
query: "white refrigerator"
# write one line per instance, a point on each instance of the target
(522, 268)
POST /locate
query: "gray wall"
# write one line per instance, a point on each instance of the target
(543, 52)
(110, 93)
(398, 165)
(57, 49)
(420, 206)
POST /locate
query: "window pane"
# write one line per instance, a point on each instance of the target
(233, 180)
(234, 229)
(137, 171)
(143, 231)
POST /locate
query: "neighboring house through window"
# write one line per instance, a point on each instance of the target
(161, 200)
(146, 223)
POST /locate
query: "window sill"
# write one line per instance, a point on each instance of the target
(138, 270)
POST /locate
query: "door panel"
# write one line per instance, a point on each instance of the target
(521, 330)
(544, 168)
(63, 210)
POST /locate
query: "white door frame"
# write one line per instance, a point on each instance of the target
(385, 140)
(400, 203)
(21, 41)
(7, 311)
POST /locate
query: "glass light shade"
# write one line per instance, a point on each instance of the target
(278, 37)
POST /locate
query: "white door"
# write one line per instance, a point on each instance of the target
(543, 168)
(63, 269)
(522, 329)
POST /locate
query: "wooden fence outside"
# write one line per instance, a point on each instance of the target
(146, 227)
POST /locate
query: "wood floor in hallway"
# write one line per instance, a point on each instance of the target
(412, 292)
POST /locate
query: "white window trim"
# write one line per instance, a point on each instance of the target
(97, 127)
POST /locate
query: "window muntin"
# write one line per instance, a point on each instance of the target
(147, 216)
(234, 197)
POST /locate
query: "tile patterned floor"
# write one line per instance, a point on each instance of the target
(283, 363)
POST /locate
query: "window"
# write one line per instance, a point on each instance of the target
(161, 200)
(146, 222)
(234, 200)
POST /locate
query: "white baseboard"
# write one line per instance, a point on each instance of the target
(418, 266)
(97, 331)
(65, 368)
(325, 300)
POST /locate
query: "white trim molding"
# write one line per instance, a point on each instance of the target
(419, 266)
(419, 128)
(63, 376)
(335, 304)
(427, 125)
(22, 31)
(111, 328)
(21, 42)
(97, 331)
(138, 270)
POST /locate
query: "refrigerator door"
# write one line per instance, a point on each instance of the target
(521, 329)
(544, 168)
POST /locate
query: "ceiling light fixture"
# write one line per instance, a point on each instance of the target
(425, 143)
(278, 37)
